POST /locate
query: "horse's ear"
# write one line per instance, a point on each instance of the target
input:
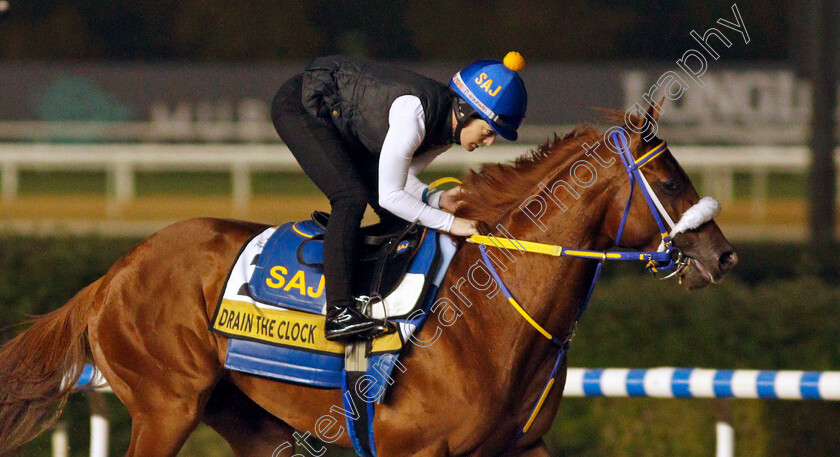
(654, 112)
(640, 122)
(652, 115)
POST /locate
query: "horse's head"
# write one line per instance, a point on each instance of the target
(708, 255)
(583, 201)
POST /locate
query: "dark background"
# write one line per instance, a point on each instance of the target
(448, 30)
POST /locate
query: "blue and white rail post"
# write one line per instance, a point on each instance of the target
(93, 385)
(704, 383)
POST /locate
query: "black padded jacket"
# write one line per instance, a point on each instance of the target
(356, 95)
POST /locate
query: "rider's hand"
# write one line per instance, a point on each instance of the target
(449, 200)
(463, 227)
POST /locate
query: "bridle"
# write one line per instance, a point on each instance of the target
(633, 167)
(666, 258)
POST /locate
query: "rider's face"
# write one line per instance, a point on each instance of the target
(477, 134)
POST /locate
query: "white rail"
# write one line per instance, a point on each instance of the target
(716, 164)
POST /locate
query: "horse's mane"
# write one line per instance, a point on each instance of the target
(495, 189)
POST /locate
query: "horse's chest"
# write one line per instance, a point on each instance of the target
(497, 419)
(523, 403)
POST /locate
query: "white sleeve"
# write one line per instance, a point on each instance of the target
(416, 187)
(399, 188)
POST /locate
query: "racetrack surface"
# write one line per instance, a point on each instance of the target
(781, 219)
(79, 215)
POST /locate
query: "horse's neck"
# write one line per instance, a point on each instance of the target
(549, 288)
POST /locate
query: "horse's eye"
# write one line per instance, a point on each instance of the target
(671, 187)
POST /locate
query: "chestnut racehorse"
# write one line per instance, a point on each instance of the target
(144, 324)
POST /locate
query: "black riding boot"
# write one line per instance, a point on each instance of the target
(346, 322)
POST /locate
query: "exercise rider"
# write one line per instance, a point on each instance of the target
(363, 130)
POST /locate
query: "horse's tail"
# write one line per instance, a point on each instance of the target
(39, 368)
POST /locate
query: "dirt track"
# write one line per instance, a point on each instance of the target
(159, 208)
(46, 215)
(80, 214)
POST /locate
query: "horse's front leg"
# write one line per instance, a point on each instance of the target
(537, 449)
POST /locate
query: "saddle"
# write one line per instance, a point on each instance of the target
(272, 306)
(386, 253)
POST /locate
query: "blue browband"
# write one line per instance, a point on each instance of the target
(657, 261)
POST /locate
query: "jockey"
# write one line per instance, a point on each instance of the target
(362, 131)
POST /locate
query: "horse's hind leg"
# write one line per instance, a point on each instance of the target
(158, 435)
(164, 391)
(162, 417)
(149, 339)
(250, 430)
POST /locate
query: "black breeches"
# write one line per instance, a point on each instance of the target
(345, 173)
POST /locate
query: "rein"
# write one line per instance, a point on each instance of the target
(666, 258)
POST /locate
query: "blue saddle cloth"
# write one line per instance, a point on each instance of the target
(274, 321)
(272, 282)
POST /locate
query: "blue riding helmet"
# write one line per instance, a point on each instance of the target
(496, 92)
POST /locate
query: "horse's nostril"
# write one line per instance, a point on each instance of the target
(728, 260)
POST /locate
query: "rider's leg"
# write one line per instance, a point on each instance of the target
(369, 171)
(328, 161)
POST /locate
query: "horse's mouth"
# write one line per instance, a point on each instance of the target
(695, 275)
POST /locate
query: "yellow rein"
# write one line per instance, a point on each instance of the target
(524, 246)
(538, 248)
